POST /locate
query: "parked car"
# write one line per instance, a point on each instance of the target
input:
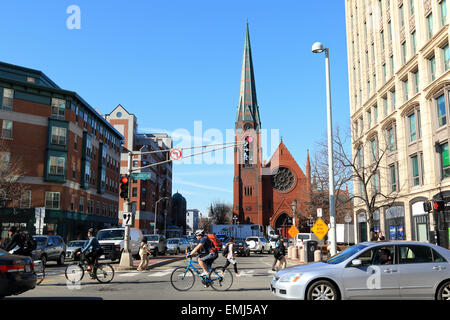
(72, 246)
(112, 242)
(258, 244)
(16, 274)
(156, 243)
(177, 245)
(371, 270)
(242, 248)
(49, 248)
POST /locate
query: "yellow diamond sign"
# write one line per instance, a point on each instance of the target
(293, 231)
(320, 228)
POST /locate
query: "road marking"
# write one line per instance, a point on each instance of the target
(161, 273)
(128, 274)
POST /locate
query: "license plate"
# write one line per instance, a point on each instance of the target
(27, 268)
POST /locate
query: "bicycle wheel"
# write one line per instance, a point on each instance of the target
(222, 279)
(182, 279)
(74, 273)
(104, 273)
(39, 270)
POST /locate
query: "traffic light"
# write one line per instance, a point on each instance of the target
(438, 205)
(427, 206)
(124, 181)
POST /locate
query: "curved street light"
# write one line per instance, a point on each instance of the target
(318, 47)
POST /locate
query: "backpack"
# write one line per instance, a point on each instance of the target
(217, 245)
(28, 242)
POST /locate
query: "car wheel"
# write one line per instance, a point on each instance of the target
(270, 250)
(61, 259)
(444, 291)
(322, 290)
(44, 259)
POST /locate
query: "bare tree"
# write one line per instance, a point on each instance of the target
(11, 170)
(221, 213)
(205, 224)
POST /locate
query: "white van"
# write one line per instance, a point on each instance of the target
(112, 242)
(306, 236)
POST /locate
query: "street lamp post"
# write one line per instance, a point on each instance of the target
(156, 213)
(234, 224)
(319, 48)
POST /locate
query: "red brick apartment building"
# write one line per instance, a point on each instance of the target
(68, 153)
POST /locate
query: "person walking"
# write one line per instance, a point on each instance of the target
(279, 254)
(230, 254)
(143, 253)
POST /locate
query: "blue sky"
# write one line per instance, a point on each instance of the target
(176, 65)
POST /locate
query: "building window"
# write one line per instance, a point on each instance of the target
(402, 16)
(404, 52)
(390, 132)
(393, 177)
(81, 205)
(386, 106)
(414, 42)
(384, 72)
(416, 81)
(415, 170)
(394, 99)
(430, 26)
(7, 129)
(74, 170)
(369, 119)
(406, 90)
(58, 108)
(441, 111)
(134, 193)
(87, 173)
(25, 199)
(59, 135)
(412, 128)
(392, 65)
(52, 200)
(432, 65)
(57, 165)
(374, 149)
(445, 161)
(443, 10)
(375, 114)
(446, 55)
(411, 7)
(7, 99)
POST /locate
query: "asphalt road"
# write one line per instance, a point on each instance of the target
(154, 284)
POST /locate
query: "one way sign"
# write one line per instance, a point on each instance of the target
(127, 219)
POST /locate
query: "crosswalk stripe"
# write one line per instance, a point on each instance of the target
(129, 274)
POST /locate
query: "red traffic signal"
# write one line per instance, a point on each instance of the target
(438, 205)
(124, 181)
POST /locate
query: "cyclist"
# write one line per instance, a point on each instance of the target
(93, 248)
(206, 252)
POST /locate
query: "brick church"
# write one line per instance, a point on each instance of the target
(264, 193)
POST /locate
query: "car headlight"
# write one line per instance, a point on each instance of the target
(290, 277)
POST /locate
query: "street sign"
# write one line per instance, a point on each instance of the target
(175, 154)
(319, 212)
(141, 175)
(320, 229)
(347, 218)
(127, 219)
(293, 232)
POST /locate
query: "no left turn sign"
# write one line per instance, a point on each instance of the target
(175, 154)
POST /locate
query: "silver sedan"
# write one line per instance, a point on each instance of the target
(177, 245)
(371, 270)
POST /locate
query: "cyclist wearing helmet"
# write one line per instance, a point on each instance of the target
(204, 248)
(93, 248)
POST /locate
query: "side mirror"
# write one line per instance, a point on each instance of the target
(356, 263)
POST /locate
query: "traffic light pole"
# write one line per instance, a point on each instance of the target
(126, 260)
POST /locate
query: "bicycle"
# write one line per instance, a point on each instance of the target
(102, 272)
(183, 278)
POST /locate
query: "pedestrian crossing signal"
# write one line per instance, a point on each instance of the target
(124, 182)
(438, 205)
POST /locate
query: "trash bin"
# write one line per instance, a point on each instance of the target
(310, 246)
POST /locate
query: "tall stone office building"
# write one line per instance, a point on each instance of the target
(399, 82)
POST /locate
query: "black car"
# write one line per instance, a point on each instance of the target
(242, 248)
(16, 274)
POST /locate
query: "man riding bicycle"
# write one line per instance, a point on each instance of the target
(93, 248)
(206, 252)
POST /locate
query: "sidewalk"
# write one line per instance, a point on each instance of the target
(154, 262)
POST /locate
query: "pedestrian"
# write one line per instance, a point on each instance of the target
(279, 254)
(381, 237)
(230, 254)
(143, 253)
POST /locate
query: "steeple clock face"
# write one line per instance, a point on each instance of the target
(283, 180)
(247, 126)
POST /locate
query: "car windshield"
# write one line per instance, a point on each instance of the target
(347, 253)
(190, 238)
(3, 253)
(40, 240)
(76, 243)
(110, 234)
(240, 243)
(173, 241)
(152, 238)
